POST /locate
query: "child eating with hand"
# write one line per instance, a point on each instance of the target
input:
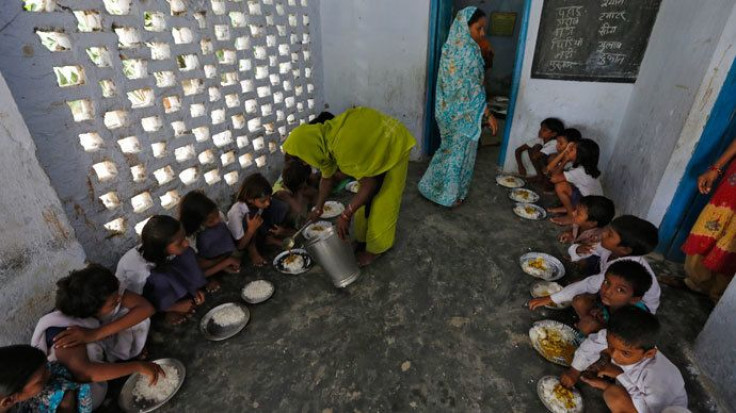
(644, 380)
(540, 148)
(626, 238)
(592, 214)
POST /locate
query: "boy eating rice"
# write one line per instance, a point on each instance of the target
(626, 238)
(645, 380)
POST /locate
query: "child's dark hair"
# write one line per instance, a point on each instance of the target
(322, 118)
(295, 174)
(635, 233)
(157, 234)
(477, 15)
(587, 157)
(19, 363)
(634, 274)
(555, 125)
(194, 209)
(571, 134)
(254, 186)
(600, 209)
(635, 327)
(82, 293)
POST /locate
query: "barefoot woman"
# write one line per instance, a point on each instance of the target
(374, 149)
(459, 109)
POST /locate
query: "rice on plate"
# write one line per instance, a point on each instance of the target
(163, 388)
(229, 316)
(257, 291)
(557, 398)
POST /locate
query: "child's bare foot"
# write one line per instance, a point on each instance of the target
(257, 259)
(175, 319)
(212, 286)
(562, 221)
(365, 258)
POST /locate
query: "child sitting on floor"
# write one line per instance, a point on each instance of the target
(624, 283)
(581, 180)
(84, 299)
(256, 219)
(540, 148)
(591, 215)
(294, 189)
(626, 238)
(626, 352)
(208, 234)
(32, 384)
(165, 270)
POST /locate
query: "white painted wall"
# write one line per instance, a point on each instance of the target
(596, 109)
(37, 245)
(681, 48)
(706, 95)
(375, 54)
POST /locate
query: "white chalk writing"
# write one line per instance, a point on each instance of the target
(560, 65)
(607, 29)
(606, 45)
(569, 11)
(608, 3)
(611, 58)
(612, 15)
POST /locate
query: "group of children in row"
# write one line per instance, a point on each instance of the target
(99, 328)
(617, 300)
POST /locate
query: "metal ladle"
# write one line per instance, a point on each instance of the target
(289, 243)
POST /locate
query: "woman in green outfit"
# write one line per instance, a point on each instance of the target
(370, 147)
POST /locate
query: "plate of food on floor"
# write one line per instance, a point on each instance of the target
(224, 321)
(558, 399)
(509, 181)
(293, 262)
(353, 186)
(523, 195)
(316, 229)
(258, 291)
(529, 211)
(554, 341)
(332, 209)
(545, 289)
(139, 396)
(542, 266)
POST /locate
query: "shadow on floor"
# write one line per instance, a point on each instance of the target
(436, 324)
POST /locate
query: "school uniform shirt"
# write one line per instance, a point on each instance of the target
(592, 284)
(180, 279)
(133, 270)
(235, 219)
(653, 384)
(586, 184)
(547, 148)
(589, 351)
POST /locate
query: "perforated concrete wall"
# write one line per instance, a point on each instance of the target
(134, 103)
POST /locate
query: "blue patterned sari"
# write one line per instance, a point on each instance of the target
(461, 101)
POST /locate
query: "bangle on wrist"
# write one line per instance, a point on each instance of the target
(717, 169)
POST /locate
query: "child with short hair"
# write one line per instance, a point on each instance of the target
(32, 384)
(294, 189)
(591, 215)
(626, 238)
(208, 233)
(256, 219)
(645, 379)
(86, 299)
(581, 180)
(540, 148)
(164, 269)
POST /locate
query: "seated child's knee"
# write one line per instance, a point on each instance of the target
(581, 303)
(617, 399)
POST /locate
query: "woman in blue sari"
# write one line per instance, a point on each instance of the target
(459, 110)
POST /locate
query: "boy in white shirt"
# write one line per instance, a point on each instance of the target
(626, 238)
(541, 147)
(645, 380)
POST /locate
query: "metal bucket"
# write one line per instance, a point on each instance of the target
(335, 256)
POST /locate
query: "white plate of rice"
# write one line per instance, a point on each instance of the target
(554, 341)
(224, 321)
(293, 262)
(509, 181)
(546, 288)
(137, 395)
(530, 211)
(258, 291)
(523, 195)
(331, 209)
(558, 399)
(541, 265)
(317, 229)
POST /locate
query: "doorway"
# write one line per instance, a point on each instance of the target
(508, 38)
(687, 203)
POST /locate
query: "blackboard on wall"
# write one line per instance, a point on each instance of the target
(593, 40)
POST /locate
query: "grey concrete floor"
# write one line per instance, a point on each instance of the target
(437, 324)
